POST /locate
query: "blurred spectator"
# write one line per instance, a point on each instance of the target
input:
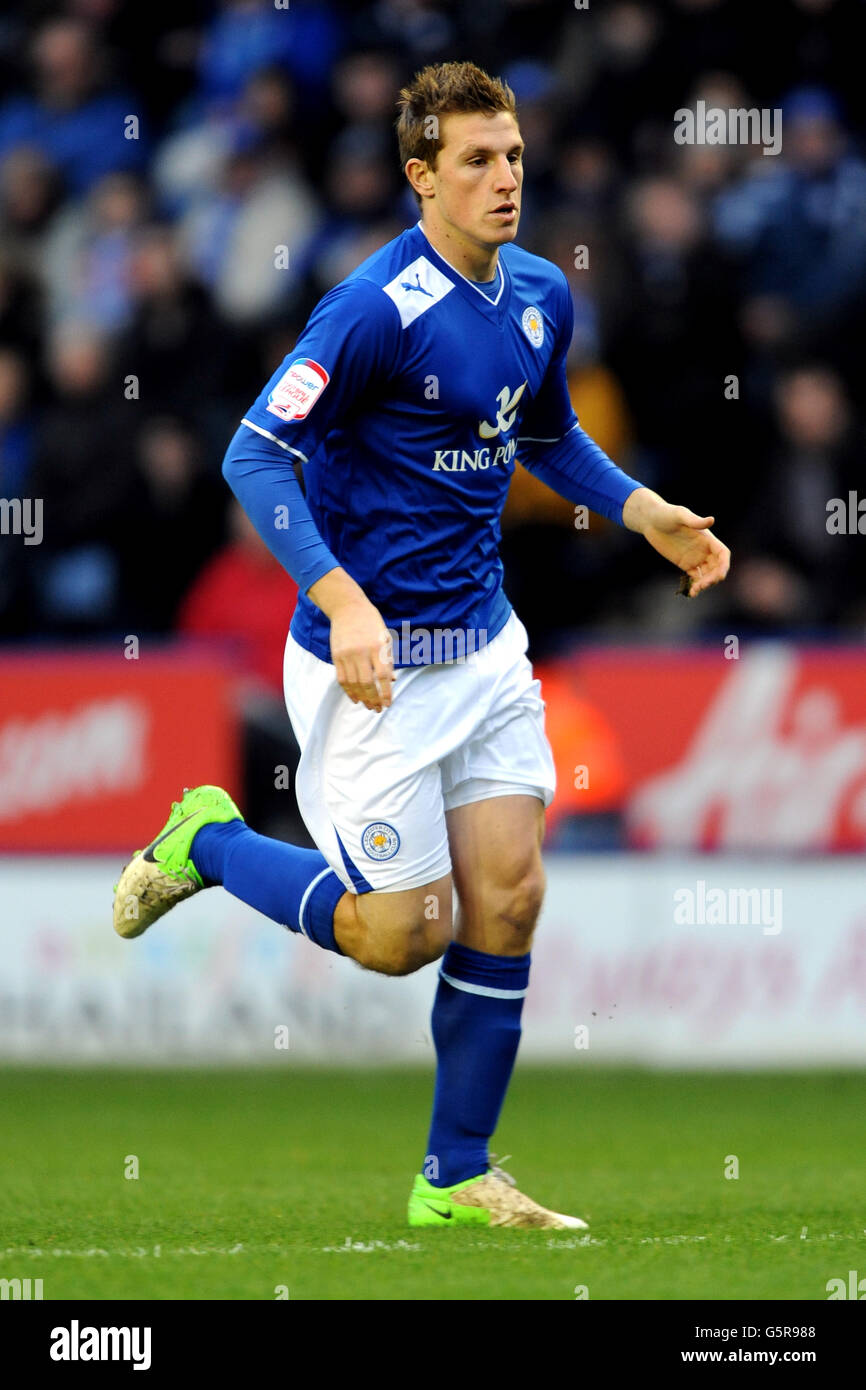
(364, 89)
(174, 520)
(676, 342)
(810, 42)
(625, 97)
(16, 450)
(361, 193)
(794, 571)
(709, 169)
(800, 227)
(184, 357)
(419, 29)
(304, 37)
(243, 594)
(88, 254)
(16, 424)
(81, 470)
(149, 286)
(30, 193)
(73, 117)
(243, 243)
(191, 165)
(20, 307)
(587, 177)
(702, 36)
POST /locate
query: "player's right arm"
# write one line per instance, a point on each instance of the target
(349, 344)
(360, 645)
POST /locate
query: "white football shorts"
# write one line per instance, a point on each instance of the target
(373, 788)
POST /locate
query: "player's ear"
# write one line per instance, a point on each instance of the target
(420, 176)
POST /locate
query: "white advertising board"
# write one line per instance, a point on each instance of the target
(639, 958)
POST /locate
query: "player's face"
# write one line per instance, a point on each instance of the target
(479, 176)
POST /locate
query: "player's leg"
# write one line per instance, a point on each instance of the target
(498, 871)
(373, 891)
(495, 789)
(396, 933)
(378, 887)
(206, 843)
(499, 878)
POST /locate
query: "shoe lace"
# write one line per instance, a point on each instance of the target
(177, 874)
(499, 1172)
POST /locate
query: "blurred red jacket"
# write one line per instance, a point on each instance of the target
(246, 596)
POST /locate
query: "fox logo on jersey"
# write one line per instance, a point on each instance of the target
(298, 389)
(505, 414)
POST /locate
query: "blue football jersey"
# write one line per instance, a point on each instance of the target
(406, 399)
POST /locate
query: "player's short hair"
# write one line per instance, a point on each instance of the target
(443, 89)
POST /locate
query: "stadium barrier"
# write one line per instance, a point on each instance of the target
(94, 745)
(661, 960)
(720, 747)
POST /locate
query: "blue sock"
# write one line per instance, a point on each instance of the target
(293, 886)
(476, 1031)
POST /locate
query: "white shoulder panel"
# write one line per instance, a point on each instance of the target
(417, 288)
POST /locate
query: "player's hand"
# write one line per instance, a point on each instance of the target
(681, 537)
(362, 653)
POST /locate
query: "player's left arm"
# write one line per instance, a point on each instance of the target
(554, 446)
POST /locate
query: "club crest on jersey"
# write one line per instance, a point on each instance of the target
(380, 840)
(533, 326)
(298, 389)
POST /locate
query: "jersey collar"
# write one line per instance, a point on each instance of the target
(491, 308)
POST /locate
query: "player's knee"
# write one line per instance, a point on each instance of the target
(413, 948)
(520, 904)
(403, 932)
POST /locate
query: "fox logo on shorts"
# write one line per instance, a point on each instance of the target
(380, 840)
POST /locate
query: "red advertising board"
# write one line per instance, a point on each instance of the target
(696, 751)
(763, 751)
(94, 747)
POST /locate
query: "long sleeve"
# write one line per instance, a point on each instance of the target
(262, 478)
(346, 351)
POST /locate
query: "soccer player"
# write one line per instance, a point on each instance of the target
(425, 770)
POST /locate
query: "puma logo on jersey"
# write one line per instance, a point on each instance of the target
(417, 288)
(404, 285)
(505, 415)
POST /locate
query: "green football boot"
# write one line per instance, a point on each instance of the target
(163, 874)
(491, 1199)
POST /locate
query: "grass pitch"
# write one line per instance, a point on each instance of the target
(254, 1182)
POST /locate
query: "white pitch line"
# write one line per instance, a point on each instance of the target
(97, 1251)
(362, 1247)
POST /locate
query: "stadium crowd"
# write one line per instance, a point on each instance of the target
(176, 193)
